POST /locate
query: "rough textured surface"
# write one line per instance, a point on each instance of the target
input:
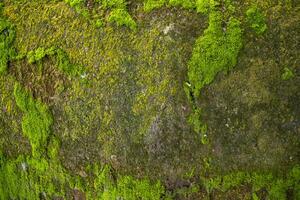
(129, 108)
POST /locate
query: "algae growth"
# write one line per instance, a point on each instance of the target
(149, 99)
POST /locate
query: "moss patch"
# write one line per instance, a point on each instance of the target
(256, 19)
(36, 122)
(287, 74)
(95, 11)
(7, 36)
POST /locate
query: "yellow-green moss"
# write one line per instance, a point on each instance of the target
(214, 52)
(217, 50)
(62, 60)
(29, 178)
(201, 6)
(36, 122)
(276, 185)
(117, 12)
(132, 87)
(287, 74)
(256, 20)
(7, 36)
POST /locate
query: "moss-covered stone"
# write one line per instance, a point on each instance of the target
(121, 127)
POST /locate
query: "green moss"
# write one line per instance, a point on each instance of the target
(201, 6)
(99, 23)
(121, 17)
(276, 185)
(211, 183)
(45, 176)
(62, 60)
(79, 6)
(278, 190)
(27, 178)
(118, 12)
(287, 74)
(294, 181)
(30, 178)
(37, 119)
(125, 187)
(75, 3)
(133, 89)
(129, 188)
(39, 53)
(187, 4)
(153, 4)
(64, 64)
(260, 181)
(233, 180)
(13, 180)
(256, 19)
(112, 3)
(7, 36)
(53, 147)
(195, 121)
(215, 51)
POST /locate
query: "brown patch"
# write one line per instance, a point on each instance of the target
(176, 184)
(243, 192)
(262, 194)
(78, 195)
(90, 4)
(43, 84)
(58, 198)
